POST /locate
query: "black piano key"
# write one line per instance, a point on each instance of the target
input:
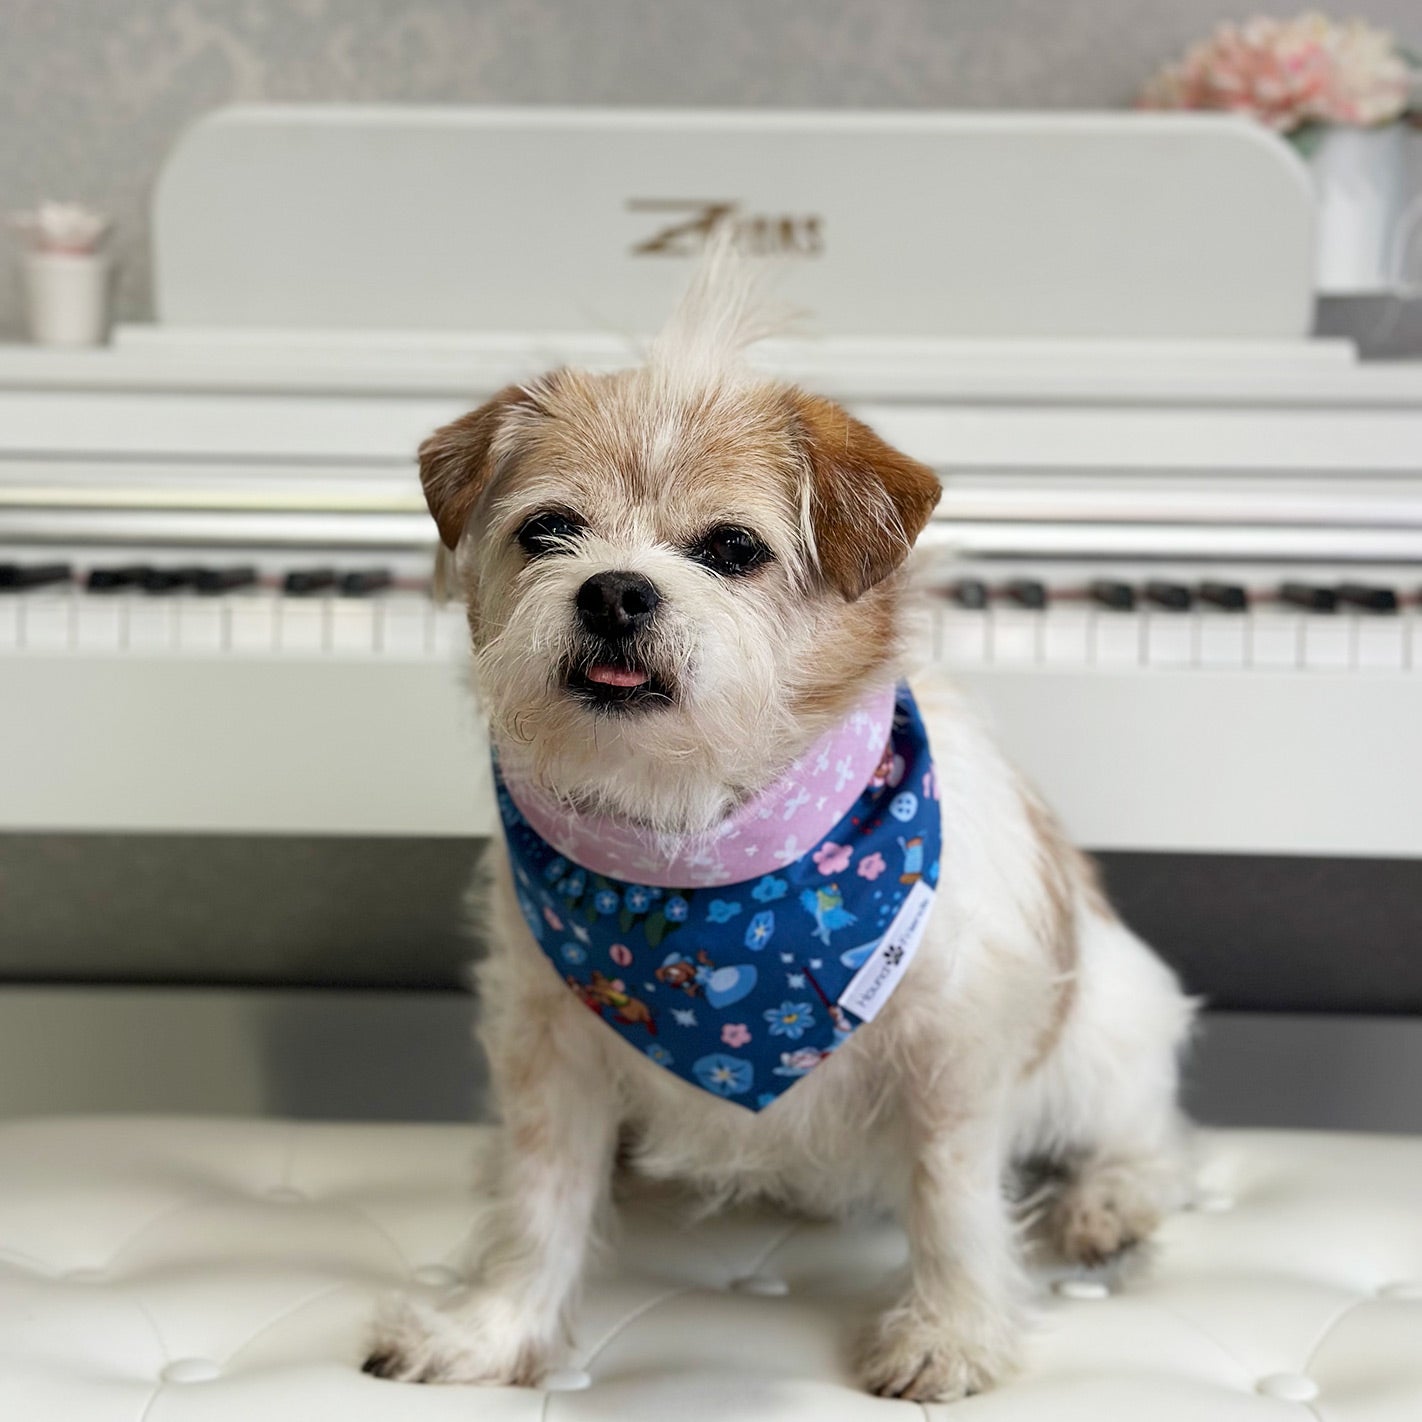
(1119, 597)
(302, 582)
(1309, 596)
(362, 584)
(1228, 597)
(130, 575)
(1173, 597)
(16, 577)
(1368, 598)
(970, 593)
(1028, 592)
(211, 581)
(166, 580)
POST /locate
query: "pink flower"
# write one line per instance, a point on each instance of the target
(1287, 73)
(620, 954)
(552, 918)
(871, 866)
(832, 858)
(735, 1034)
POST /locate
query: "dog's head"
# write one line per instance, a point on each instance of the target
(676, 577)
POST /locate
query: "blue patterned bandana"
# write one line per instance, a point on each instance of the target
(743, 987)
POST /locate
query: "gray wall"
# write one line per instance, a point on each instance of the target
(93, 92)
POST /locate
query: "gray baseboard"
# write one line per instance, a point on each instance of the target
(408, 1056)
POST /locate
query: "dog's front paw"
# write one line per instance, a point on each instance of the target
(482, 1340)
(939, 1357)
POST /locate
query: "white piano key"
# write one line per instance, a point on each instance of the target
(963, 637)
(1015, 637)
(1170, 639)
(99, 624)
(303, 625)
(1066, 637)
(1380, 643)
(152, 624)
(1275, 639)
(47, 622)
(252, 623)
(451, 631)
(1328, 642)
(9, 621)
(353, 626)
(404, 626)
(202, 625)
(1116, 639)
(1223, 639)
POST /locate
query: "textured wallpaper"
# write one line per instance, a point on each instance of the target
(93, 92)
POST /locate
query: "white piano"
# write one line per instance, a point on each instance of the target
(1179, 555)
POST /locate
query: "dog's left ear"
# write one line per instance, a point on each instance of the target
(868, 502)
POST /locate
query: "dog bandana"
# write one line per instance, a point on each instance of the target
(740, 959)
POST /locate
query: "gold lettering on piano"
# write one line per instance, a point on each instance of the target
(757, 234)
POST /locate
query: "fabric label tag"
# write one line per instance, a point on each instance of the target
(872, 986)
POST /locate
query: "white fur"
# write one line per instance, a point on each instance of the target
(968, 1069)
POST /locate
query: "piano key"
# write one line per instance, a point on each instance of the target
(1368, 598)
(1170, 640)
(1116, 596)
(202, 626)
(404, 627)
(1309, 596)
(962, 637)
(104, 580)
(1028, 592)
(99, 625)
(1066, 635)
(451, 631)
(46, 623)
(158, 581)
(1222, 639)
(1227, 597)
(1328, 643)
(970, 594)
(1014, 638)
(303, 582)
(303, 625)
(152, 625)
(352, 627)
(19, 577)
(1116, 639)
(362, 584)
(9, 624)
(1171, 597)
(1380, 643)
(1275, 638)
(252, 624)
(212, 581)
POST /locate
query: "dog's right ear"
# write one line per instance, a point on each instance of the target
(456, 461)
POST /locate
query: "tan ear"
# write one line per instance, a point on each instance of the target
(868, 502)
(455, 462)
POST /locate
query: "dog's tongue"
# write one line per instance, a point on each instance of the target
(615, 676)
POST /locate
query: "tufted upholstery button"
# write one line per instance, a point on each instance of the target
(762, 1286)
(1407, 1289)
(567, 1380)
(190, 1370)
(1287, 1387)
(1081, 1289)
(437, 1276)
(285, 1195)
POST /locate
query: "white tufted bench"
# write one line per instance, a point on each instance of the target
(160, 1270)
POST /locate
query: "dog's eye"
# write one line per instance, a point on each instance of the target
(547, 532)
(730, 550)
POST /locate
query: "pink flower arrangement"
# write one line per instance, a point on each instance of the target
(1290, 73)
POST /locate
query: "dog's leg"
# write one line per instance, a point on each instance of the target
(560, 1124)
(958, 1326)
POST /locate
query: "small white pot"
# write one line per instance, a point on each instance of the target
(67, 297)
(1361, 176)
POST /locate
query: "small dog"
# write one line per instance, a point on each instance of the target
(685, 582)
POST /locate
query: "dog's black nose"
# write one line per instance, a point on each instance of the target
(617, 604)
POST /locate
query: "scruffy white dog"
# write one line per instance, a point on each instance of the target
(680, 578)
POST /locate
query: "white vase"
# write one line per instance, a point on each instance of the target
(1361, 178)
(67, 297)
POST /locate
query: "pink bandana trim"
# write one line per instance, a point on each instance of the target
(781, 824)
